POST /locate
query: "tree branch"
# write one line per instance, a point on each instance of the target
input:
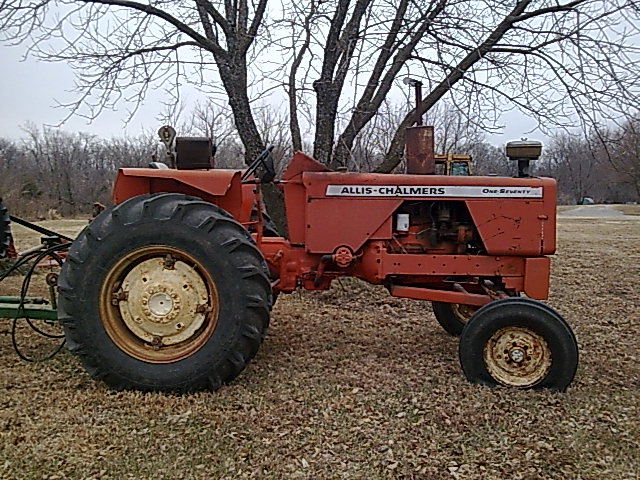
(150, 10)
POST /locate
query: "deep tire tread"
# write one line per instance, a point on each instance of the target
(212, 223)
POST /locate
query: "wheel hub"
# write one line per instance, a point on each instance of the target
(160, 304)
(517, 357)
(164, 303)
(463, 312)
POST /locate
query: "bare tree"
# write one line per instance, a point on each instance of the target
(122, 48)
(453, 133)
(212, 121)
(574, 164)
(553, 60)
(489, 159)
(620, 148)
(341, 59)
(53, 169)
(372, 141)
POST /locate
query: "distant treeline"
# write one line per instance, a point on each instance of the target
(53, 170)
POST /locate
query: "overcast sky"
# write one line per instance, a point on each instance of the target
(30, 91)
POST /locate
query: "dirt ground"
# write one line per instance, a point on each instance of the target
(352, 383)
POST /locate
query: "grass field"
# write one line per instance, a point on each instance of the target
(629, 209)
(352, 383)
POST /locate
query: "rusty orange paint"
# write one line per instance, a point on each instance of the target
(434, 295)
(221, 187)
(514, 234)
(536, 277)
(419, 153)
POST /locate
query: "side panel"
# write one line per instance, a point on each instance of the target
(517, 226)
(295, 194)
(513, 216)
(510, 228)
(333, 222)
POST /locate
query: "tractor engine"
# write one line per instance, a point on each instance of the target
(433, 227)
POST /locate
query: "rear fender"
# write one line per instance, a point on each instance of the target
(220, 187)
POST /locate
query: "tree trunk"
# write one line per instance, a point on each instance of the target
(234, 79)
(325, 122)
(235, 82)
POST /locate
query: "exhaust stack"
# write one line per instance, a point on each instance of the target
(419, 150)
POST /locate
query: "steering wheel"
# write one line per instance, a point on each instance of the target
(266, 161)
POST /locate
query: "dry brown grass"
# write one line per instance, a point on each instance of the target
(352, 383)
(27, 238)
(629, 209)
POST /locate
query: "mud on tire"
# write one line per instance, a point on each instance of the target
(164, 292)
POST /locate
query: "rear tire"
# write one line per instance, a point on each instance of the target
(520, 343)
(164, 292)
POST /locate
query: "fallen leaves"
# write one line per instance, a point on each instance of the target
(352, 383)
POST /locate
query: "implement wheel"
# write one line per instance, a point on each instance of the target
(520, 343)
(5, 230)
(164, 292)
(453, 316)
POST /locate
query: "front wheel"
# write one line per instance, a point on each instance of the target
(520, 343)
(164, 292)
(452, 317)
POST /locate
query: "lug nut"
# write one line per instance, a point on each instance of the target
(156, 342)
(169, 262)
(203, 308)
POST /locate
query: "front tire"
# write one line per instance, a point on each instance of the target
(164, 292)
(269, 227)
(520, 343)
(452, 317)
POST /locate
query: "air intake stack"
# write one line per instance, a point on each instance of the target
(524, 151)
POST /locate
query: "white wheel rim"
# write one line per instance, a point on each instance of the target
(517, 357)
(159, 304)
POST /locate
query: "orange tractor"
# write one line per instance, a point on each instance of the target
(171, 287)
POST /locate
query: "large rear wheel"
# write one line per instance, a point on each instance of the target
(164, 292)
